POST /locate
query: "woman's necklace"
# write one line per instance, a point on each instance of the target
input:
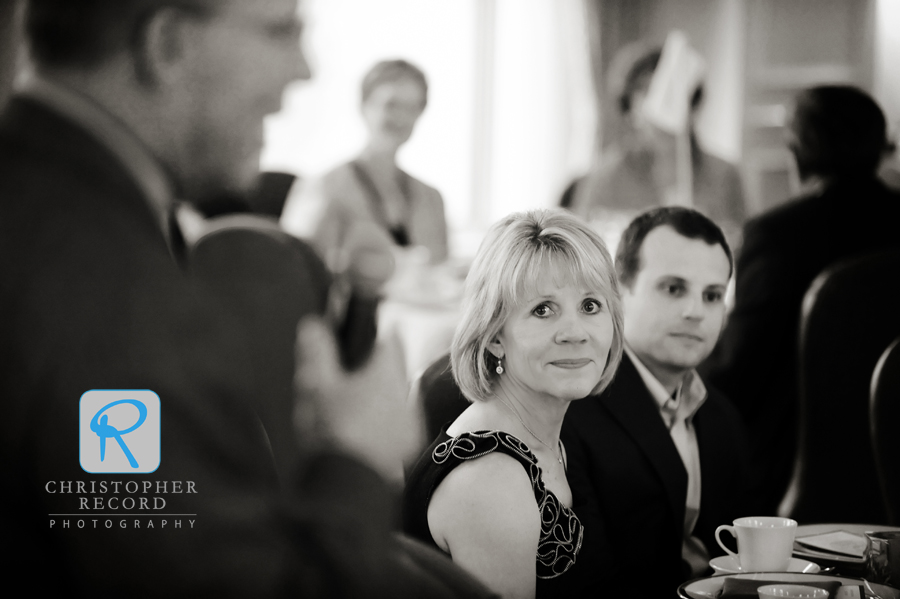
(556, 453)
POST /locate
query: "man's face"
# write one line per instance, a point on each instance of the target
(241, 59)
(675, 309)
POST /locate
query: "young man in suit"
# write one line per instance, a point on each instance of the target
(656, 460)
(130, 104)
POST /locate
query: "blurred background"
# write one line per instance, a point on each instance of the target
(518, 101)
(518, 105)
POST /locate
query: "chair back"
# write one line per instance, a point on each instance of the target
(270, 193)
(439, 397)
(268, 280)
(884, 418)
(849, 315)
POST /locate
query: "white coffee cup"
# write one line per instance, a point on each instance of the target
(764, 543)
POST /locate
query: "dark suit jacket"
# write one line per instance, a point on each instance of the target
(755, 363)
(628, 479)
(90, 298)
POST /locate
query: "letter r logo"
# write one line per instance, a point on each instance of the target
(119, 431)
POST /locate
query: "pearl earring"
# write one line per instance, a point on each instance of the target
(499, 367)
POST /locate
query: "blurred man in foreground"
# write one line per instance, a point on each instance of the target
(133, 103)
(838, 137)
(657, 459)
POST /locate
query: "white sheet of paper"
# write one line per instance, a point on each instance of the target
(677, 75)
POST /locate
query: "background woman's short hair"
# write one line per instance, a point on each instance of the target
(389, 71)
(630, 71)
(514, 253)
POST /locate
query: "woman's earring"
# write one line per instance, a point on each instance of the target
(499, 367)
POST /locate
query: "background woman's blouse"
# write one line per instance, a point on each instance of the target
(327, 208)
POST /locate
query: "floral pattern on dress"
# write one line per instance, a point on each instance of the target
(561, 530)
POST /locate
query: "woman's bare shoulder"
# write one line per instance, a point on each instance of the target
(485, 516)
(340, 176)
(490, 492)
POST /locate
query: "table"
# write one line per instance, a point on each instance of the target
(424, 331)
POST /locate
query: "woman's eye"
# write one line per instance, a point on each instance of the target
(592, 306)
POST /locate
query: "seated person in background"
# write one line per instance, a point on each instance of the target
(541, 327)
(658, 458)
(372, 189)
(636, 173)
(838, 136)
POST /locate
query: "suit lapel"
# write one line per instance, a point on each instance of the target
(631, 404)
(717, 465)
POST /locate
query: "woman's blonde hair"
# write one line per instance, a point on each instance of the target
(506, 269)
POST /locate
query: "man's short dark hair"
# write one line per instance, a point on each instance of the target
(685, 221)
(83, 33)
(837, 130)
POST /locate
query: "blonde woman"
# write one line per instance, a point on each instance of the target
(541, 327)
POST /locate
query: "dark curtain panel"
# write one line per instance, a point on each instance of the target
(10, 36)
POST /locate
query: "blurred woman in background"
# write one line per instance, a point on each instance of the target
(377, 228)
(372, 189)
(541, 327)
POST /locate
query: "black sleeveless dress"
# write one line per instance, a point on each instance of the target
(561, 530)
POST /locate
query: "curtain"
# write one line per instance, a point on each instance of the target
(10, 40)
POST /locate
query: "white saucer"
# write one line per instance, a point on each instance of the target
(726, 564)
(711, 587)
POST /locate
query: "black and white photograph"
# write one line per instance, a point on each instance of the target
(450, 299)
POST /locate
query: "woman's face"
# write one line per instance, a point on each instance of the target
(555, 344)
(391, 112)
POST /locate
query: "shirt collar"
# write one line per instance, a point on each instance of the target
(689, 396)
(133, 155)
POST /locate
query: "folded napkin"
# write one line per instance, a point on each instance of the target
(744, 588)
(838, 541)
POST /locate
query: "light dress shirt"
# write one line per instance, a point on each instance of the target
(145, 170)
(677, 411)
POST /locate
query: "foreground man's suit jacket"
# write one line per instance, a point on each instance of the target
(631, 484)
(90, 298)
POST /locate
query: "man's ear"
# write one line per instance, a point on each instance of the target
(162, 45)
